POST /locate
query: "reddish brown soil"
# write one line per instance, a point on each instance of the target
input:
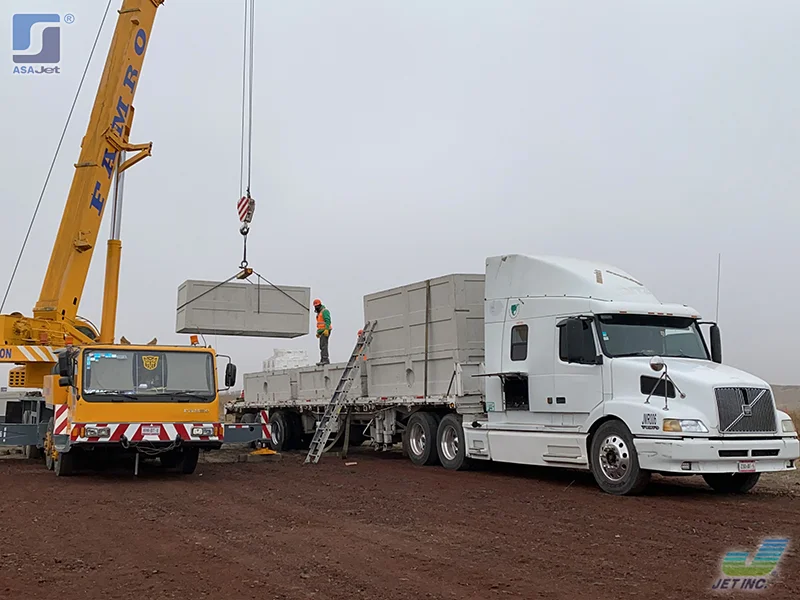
(382, 529)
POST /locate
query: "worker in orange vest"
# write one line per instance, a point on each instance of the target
(323, 331)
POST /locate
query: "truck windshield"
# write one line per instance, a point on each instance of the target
(148, 376)
(650, 335)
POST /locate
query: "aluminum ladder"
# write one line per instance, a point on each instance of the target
(349, 375)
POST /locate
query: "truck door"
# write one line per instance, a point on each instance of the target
(578, 380)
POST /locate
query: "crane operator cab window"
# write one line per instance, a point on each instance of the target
(148, 376)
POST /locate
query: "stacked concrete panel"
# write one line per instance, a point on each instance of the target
(242, 309)
(396, 365)
(319, 383)
(280, 386)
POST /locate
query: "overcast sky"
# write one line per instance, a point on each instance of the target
(400, 140)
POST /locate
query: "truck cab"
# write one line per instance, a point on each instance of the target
(127, 398)
(586, 368)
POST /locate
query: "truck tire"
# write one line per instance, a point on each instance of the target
(189, 462)
(732, 483)
(279, 431)
(419, 438)
(614, 462)
(248, 418)
(64, 465)
(451, 444)
(170, 460)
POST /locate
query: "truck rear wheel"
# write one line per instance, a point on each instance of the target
(614, 462)
(279, 431)
(451, 443)
(732, 483)
(419, 438)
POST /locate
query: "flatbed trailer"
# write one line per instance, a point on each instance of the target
(543, 361)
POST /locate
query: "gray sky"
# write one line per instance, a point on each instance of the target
(395, 141)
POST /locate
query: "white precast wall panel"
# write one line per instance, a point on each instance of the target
(242, 309)
(396, 364)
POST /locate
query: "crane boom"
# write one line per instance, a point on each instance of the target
(29, 341)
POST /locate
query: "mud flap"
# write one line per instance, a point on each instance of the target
(18, 434)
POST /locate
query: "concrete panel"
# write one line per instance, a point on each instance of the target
(405, 376)
(243, 309)
(263, 388)
(318, 383)
(456, 318)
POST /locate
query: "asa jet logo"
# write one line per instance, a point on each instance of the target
(36, 38)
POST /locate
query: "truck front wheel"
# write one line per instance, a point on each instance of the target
(64, 464)
(189, 462)
(614, 462)
(732, 483)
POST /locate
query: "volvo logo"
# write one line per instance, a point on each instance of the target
(747, 410)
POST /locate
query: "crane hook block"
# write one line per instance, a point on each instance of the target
(246, 207)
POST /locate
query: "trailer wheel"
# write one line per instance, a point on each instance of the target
(189, 462)
(451, 444)
(732, 483)
(279, 430)
(614, 462)
(64, 464)
(419, 439)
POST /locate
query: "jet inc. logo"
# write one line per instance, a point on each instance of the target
(36, 40)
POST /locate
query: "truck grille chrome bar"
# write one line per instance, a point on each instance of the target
(745, 410)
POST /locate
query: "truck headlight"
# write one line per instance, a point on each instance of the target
(207, 431)
(100, 432)
(788, 426)
(684, 426)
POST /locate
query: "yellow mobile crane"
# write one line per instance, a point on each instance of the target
(98, 396)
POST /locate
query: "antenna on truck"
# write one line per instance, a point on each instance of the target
(719, 271)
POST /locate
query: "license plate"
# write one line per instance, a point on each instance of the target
(151, 429)
(747, 466)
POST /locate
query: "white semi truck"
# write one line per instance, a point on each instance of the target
(543, 361)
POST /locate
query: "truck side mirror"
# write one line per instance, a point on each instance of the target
(230, 375)
(65, 365)
(716, 344)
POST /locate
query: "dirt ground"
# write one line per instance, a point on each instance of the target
(380, 529)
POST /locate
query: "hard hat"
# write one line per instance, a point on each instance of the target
(317, 302)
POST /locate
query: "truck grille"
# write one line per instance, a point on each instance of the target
(745, 410)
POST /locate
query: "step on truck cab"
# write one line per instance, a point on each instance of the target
(586, 368)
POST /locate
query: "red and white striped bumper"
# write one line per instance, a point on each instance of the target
(146, 432)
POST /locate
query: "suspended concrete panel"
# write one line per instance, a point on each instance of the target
(243, 309)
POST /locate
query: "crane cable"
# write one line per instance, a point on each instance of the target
(55, 157)
(247, 125)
